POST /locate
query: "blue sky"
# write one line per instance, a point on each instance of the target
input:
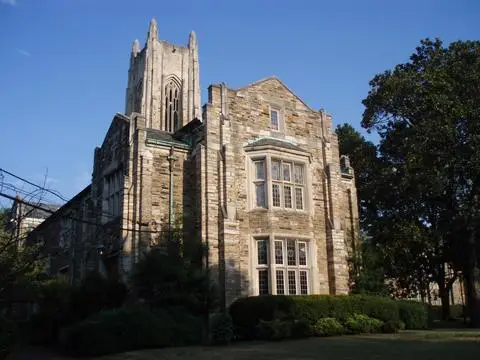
(64, 63)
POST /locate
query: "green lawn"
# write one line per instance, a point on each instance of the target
(424, 345)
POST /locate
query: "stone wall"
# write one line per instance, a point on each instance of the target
(233, 118)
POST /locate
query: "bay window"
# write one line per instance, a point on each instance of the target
(285, 178)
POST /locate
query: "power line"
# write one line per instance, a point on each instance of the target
(74, 218)
(55, 193)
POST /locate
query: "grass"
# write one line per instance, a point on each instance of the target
(424, 345)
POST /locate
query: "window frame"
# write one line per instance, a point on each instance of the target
(271, 196)
(256, 181)
(262, 267)
(112, 195)
(274, 268)
(278, 111)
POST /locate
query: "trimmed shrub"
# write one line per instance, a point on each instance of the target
(328, 327)
(390, 327)
(414, 314)
(274, 330)
(247, 312)
(8, 336)
(301, 329)
(221, 329)
(126, 329)
(361, 324)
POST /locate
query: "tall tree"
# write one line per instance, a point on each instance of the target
(363, 157)
(427, 115)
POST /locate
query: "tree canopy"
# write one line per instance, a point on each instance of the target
(424, 185)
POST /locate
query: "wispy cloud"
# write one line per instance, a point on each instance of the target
(22, 51)
(8, 2)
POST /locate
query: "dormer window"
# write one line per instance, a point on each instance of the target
(275, 119)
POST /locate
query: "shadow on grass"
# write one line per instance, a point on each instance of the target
(396, 347)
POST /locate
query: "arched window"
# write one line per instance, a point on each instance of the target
(172, 107)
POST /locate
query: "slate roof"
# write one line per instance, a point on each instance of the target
(276, 143)
(165, 138)
(36, 213)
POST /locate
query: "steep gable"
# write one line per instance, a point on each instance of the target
(273, 81)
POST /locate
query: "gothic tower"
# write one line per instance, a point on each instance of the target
(163, 82)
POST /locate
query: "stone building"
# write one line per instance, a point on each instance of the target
(255, 174)
(24, 216)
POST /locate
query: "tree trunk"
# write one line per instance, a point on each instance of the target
(472, 277)
(443, 293)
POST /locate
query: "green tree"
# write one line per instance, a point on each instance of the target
(171, 273)
(363, 157)
(427, 115)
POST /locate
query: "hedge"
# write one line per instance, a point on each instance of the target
(247, 312)
(414, 314)
(328, 327)
(127, 329)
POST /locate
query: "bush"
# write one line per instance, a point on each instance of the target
(126, 329)
(8, 337)
(413, 314)
(301, 329)
(94, 294)
(391, 327)
(247, 312)
(328, 327)
(274, 330)
(221, 329)
(54, 311)
(361, 324)
(174, 275)
(61, 305)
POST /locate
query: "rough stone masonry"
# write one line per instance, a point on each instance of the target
(255, 174)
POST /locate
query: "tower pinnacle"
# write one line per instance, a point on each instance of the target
(153, 30)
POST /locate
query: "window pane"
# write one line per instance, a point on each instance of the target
(274, 119)
(263, 282)
(262, 252)
(276, 194)
(280, 282)
(286, 172)
(299, 198)
(287, 193)
(276, 170)
(303, 283)
(260, 170)
(260, 194)
(291, 256)
(302, 253)
(279, 252)
(298, 173)
(292, 286)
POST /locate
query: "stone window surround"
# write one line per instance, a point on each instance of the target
(281, 154)
(272, 267)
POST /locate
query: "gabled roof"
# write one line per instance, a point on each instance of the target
(273, 77)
